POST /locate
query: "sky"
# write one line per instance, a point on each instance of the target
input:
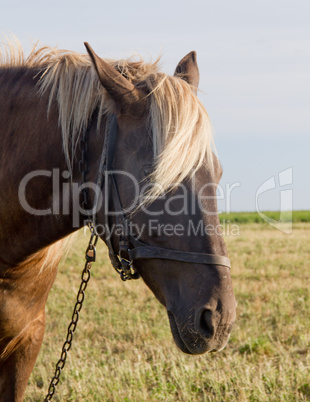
(254, 61)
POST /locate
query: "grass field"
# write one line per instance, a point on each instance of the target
(123, 349)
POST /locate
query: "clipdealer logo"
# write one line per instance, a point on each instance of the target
(285, 181)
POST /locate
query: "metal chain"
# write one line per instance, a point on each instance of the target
(90, 256)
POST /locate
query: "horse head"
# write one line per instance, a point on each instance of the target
(162, 200)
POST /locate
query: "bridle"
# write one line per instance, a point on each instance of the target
(130, 248)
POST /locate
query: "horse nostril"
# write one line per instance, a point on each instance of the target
(206, 325)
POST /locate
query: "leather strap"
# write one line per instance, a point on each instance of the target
(147, 252)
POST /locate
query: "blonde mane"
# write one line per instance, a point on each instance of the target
(180, 125)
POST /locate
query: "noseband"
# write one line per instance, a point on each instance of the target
(130, 248)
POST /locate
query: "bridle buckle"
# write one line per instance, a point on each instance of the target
(127, 271)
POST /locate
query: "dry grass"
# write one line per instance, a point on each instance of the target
(123, 349)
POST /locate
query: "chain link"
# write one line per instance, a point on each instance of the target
(90, 256)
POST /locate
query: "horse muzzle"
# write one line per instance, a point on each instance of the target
(206, 331)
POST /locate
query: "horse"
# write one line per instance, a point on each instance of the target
(125, 146)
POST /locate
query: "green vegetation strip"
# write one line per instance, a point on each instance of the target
(254, 217)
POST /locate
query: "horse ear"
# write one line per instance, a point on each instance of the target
(118, 87)
(188, 70)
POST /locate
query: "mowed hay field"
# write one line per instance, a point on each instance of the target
(123, 349)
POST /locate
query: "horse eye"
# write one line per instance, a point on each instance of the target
(147, 169)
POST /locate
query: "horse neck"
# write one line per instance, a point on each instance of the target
(37, 208)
